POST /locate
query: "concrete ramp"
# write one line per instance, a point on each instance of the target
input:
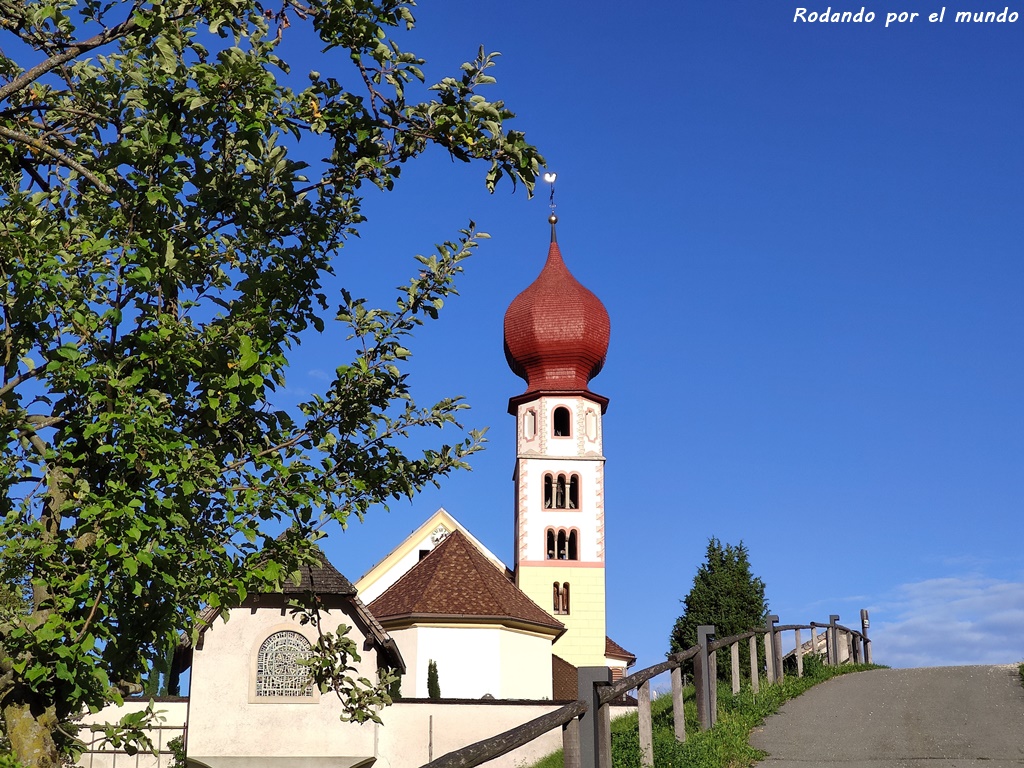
(938, 717)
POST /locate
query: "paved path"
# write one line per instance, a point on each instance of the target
(941, 717)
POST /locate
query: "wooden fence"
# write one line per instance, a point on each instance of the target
(586, 723)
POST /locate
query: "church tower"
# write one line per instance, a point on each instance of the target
(556, 338)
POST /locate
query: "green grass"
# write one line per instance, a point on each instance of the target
(724, 746)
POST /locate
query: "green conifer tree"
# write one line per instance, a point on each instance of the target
(726, 594)
(433, 686)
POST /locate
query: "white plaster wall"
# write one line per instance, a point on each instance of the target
(526, 667)
(225, 720)
(587, 433)
(473, 661)
(535, 519)
(468, 661)
(415, 733)
(171, 719)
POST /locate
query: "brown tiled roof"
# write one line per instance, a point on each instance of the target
(324, 579)
(457, 581)
(615, 651)
(564, 680)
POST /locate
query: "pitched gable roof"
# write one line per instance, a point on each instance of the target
(564, 680)
(613, 650)
(457, 582)
(322, 578)
(399, 560)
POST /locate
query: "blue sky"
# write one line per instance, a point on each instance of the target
(809, 240)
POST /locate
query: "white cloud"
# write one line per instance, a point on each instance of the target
(955, 620)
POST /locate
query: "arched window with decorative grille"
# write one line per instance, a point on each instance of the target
(278, 671)
(550, 550)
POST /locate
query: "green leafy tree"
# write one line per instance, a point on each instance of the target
(162, 248)
(433, 684)
(726, 594)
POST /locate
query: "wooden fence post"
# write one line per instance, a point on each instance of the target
(713, 682)
(865, 622)
(834, 640)
(646, 735)
(678, 715)
(777, 645)
(604, 736)
(799, 655)
(701, 676)
(734, 652)
(755, 673)
(771, 642)
(571, 744)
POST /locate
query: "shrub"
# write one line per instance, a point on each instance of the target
(433, 686)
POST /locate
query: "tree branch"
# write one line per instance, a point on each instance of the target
(40, 69)
(62, 159)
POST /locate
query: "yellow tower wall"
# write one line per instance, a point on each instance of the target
(584, 642)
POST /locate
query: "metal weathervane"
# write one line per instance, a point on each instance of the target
(550, 179)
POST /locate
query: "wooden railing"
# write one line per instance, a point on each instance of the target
(586, 723)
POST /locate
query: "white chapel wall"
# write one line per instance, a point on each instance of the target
(227, 719)
(169, 724)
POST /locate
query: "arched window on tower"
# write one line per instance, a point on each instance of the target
(561, 491)
(561, 544)
(560, 422)
(560, 598)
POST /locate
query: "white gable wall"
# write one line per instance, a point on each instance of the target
(473, 661)
(226, 719)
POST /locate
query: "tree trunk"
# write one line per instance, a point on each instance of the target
(31, 735)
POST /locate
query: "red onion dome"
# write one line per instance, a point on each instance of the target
(556, 331)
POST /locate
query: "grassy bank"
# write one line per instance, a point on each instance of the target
(725, 745)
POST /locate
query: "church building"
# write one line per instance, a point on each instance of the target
(506, 642)
(536, 622)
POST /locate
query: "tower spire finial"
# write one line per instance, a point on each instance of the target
(553, 219)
